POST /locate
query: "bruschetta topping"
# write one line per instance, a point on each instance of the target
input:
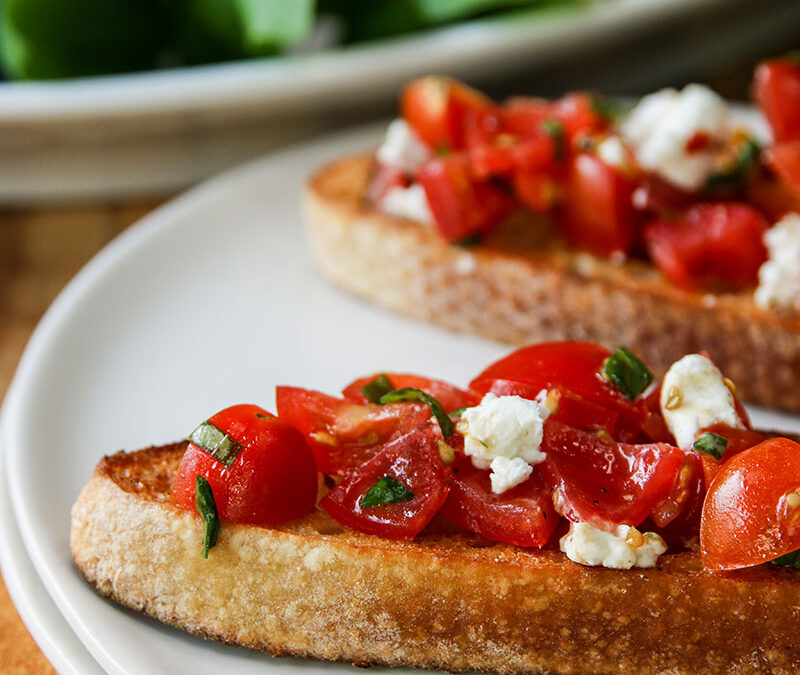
(554, 434)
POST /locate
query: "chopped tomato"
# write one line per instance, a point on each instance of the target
(572, 367)
(604, 481)
(738, 441)
(784, 158)
(597, 213)
(436, 108)
(752, 511)
(772, 196)
(450, 396)
(271, 480)
(462, 206)
(714, 242)
(343, 434)
(565, 406)
(523, 515)
(413, 462)
(537, 190)
(653, 195)
(677, 515)
(776, 89)
(576, 111)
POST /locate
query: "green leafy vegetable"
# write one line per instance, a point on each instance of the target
(387, 490)
(711, 444)
(207, 508)
(411, 394)
(216, 443)
(789, 560)
(374, 389)
(627, 373)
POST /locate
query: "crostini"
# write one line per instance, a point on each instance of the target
(672, 227)
(562, 514)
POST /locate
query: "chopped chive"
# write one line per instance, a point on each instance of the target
(555, 129)
(711, 444)
(789, 560)
(374, 389)
(411, 394)
(216, 443)
(387, 490)
(627, 373)
(207, 508)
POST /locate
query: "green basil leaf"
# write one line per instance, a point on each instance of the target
(387, 490)
(789, 560)
(711, 444)
(216, 443)
(374, 389)
(627, 373)
(411, 394)
(207, 508)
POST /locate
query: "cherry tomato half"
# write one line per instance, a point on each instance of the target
(343, 434)
(273, 479)
(523, 515)
(752, 511)
(413, 462)
(776, 89)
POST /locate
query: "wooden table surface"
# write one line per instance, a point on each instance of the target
(40, 250)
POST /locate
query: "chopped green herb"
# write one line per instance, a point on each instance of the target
(374, 389)
(627, 373)
(207, 508)
(711, 444)
(555, 129)
(733, 176)
(216, 443)
(789, 560)
(443, 150)
(411, 394)
(469, 241)
(458, 412)
(387, 490)
(611, 108)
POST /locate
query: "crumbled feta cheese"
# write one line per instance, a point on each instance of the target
(662, 124)
(508, 472)
(402, 149)
(613, 152)
(622, 547)
(779, 277)
(694, 395)
(410, 202)
(504, 426)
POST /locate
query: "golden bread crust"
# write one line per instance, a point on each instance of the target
(447, 600)
(523, 285)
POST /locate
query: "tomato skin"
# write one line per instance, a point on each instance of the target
(593, 476)
(343, 434)
(450, 396)
(677, 515)
(776, 89)
(273, 479)
(522, 516)
(413, 460)
(743, 523)
(713, 242)
(784, 159)
(436, 108)
(568, 366)
(739, 440)
(597, 214)
(462, 206)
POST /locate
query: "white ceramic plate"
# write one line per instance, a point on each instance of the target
(209, 301)
(160, 131)
(51, 631)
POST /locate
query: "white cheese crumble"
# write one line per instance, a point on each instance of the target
(402, 149)
(622, 547)
(779, 277)
(694, 395)
(612, 151)
(660, 126)
(507, 427)
(410, 202)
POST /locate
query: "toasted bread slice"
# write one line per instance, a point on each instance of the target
(524, 285)
(446, 600)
